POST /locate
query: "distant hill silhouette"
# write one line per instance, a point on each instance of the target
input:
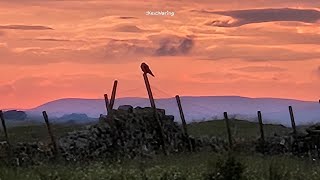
(74, 117)
(15, 115)
(274, 110)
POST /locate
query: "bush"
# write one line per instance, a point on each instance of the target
(226, 169)
(172, 175)
(277, 171)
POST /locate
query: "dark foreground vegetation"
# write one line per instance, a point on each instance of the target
(239, 128)
(204, 164)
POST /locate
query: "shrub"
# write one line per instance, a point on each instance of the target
(277, 171)
(172, 175)
(226, 169)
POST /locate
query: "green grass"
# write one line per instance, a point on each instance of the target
(183, 166)
(191, 166)
(39, 132)
(239, 128)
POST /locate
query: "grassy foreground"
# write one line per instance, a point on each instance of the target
(201, 165)
(179, 167)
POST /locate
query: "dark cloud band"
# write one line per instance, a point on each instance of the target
(25, 27)
(249, 16)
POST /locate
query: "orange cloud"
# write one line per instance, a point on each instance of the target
(57, 49)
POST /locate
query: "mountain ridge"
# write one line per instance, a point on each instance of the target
(195, 107)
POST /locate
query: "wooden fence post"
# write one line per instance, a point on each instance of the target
(4, 127)
(106, 101)
(113, 95)
(293, 124)
(10, 152)
(261, 130)
(228, 129)
(155, 112)
(53, 141)
(184, 124)
(146, 80)
(261, 126)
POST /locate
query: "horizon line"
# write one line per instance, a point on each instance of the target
(195, 96)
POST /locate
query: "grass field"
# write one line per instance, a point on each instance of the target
(176, 166)
(239, 128)
(39, 132)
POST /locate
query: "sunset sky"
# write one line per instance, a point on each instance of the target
(52, 49)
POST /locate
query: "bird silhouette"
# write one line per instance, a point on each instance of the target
(145, 68)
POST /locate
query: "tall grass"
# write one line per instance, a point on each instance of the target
(188, 166)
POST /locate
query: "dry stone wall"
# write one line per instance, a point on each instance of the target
(127, 132)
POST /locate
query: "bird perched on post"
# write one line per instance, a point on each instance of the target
(145, 68)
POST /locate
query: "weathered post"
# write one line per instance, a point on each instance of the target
(293, 124)
(228, 129)
(184, 124)
(261, 126)
(261, 131)
(106, 101)
(53, 141)
(4, 126)
(146, 80)
(155, 112)
(113, 95)
(9, 150)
